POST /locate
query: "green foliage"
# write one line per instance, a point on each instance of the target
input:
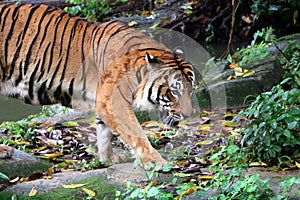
(92, 9)
(148, 192)
(292, 65)
(286, 187)
(287, 9)
(3, 176)
(229, 182)
(272, 126)
(258, 50)
(23, 130)
(266, 35)
(211, 34)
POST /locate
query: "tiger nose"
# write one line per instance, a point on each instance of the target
(176, 115)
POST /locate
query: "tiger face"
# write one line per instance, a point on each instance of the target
(168, 89)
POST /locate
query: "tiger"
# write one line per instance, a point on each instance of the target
(48, 56)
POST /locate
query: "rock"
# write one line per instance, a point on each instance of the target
(21, 164)
(126, 172)
(44, 185)
(217, 91)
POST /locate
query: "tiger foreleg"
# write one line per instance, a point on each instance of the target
(105, 151)
(119, 116)
(104, 142)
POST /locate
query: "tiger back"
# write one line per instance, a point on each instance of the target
(48, 56)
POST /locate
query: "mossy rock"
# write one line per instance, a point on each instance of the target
(98, 183)
(22, 164)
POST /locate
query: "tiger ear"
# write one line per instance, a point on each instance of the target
(179, 51)
(151, 59)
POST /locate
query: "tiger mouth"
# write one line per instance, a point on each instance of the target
(172, 120)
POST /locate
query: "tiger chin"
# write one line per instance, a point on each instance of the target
(48, 56)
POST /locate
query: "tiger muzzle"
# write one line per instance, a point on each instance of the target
(172, 118)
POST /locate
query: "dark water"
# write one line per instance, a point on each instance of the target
(13, 109)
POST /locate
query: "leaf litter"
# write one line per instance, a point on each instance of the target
(70, 145)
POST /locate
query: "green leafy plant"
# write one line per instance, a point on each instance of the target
(291, 64)
(230, 180)
(286, 188)
(272, 125)
(92, 9)
(287, 9)
(258, 50)
(148, 192)
(3, 176)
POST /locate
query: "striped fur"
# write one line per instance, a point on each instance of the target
(48, 56)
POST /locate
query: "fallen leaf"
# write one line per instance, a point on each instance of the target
(204, 127)
(257, 164)
(297, 164)
(72, 186)
(188, 191)
(150, 124)
(70, 124)
(32, 192)
(206, 177)
(91, 193)
(233, 65)
(248, 73)
(52, 155)
(23, 143)
(15, 180)
(229, 124)
(238, 71)
(205, 142)
(156, 135)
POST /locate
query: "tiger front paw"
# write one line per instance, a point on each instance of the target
(151, 161)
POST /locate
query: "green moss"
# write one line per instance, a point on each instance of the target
(23, 169)
(99, 184)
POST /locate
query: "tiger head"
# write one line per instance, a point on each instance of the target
(168, 86)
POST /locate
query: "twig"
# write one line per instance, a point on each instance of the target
(234, 10)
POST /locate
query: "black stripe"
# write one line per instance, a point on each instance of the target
(9, 35)
(31, 82)
(133, 45)
(54, 74)
(28, 55)
(66, 100)
(158, 93)
(124, 97)
(3, 70)
(133, 37)
(101, 35)
(20, 41)
(20, 75)
(57, 93)
(42, 69)
(45, 28)
(42, 95)
(68, 48)
(120, 29)
(138, 75)
(57, 22)
(5, 17)
(92, 41)
(150, 93)
(71, 87)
